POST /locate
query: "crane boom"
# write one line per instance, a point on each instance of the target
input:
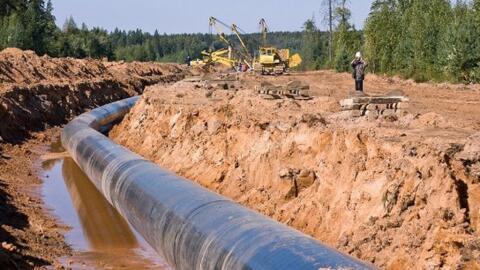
(273, 60)
(213, 22)
(245, 53)
(264, 30)
(270, 60)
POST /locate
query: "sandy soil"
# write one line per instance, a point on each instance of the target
(36, 94)
(401, 191)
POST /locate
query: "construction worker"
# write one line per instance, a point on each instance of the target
(188, 60)
(359, 65)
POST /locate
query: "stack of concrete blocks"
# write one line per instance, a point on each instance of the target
(374, 106)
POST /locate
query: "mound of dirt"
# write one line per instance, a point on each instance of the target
(432, 120)
(401, 193)
(26, 68)
(36, 92)
(141, 74)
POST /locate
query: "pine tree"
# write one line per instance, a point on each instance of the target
(69, 26)
(429, 20)
(13, 32)
(330, 6)
(346, 39)
(474, 74)
(312, 50)
(382, 34)
(34, 26)
(457, 45)
(7, 7)
(51, 30)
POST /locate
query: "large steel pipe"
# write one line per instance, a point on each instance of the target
(190, 226)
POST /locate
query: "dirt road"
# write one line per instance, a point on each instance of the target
(402, 192)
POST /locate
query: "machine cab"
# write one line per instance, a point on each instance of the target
(267, 55)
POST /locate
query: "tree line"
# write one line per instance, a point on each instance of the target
(30, 25)
(425, 40)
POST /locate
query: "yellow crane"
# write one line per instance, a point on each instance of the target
(223, 56)
(242, 54)
(245, 53)
(214, 23)
(264, 30)
(271, 59)
(229, 56)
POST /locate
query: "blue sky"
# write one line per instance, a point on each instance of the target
(191, 16)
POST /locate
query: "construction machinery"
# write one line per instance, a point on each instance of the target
(272, 60)
(229, 56)
(247, 57)
(269, 60)
(222, 56)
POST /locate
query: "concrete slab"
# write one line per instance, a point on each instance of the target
(364, 105)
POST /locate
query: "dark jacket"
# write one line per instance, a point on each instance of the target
(359, 66)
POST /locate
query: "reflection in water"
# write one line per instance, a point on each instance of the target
(102, 225)
(99, 232)
(55, 147)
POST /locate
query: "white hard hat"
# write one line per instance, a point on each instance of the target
(358, 55)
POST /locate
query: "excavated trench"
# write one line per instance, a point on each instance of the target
(400, 191)
(190, 226)
(38, 94)
(98, 233)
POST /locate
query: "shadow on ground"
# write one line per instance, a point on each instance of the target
(12, 219)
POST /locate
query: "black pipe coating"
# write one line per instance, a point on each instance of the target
(190, 226)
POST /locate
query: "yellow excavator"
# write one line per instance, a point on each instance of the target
(272, 60)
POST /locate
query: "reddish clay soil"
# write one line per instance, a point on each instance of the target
(36, 94)
(30, 237)
(400, 191)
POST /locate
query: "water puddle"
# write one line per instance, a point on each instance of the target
(100, 237)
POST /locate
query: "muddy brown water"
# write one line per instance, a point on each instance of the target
(100, 237)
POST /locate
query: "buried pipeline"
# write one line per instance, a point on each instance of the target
(190, 226)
